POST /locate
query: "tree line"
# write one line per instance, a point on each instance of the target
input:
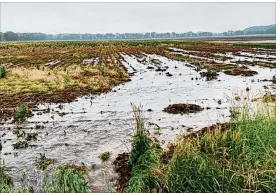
(12, 36)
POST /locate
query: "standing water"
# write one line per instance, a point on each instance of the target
(78, 132)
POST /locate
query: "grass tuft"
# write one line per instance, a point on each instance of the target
(67, 179)
(21, 112)
(105, 156)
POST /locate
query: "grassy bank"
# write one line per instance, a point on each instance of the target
(240, 158)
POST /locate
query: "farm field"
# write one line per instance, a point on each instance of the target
(70, 103)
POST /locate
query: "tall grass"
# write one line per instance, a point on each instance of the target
(67, 179)
(143, 158)
(239, 159)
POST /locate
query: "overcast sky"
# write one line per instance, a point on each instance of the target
(133, 17)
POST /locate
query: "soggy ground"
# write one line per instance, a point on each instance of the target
(81, 130)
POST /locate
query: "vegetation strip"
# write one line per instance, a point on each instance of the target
(229, 157)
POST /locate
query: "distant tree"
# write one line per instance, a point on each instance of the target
(10, 36)
(239, 32)
(1, 37)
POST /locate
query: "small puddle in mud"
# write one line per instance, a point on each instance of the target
(95, 124)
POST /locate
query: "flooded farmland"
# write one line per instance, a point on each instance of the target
(79, 130)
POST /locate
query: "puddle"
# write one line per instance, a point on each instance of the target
(53, 63)
(81, 130)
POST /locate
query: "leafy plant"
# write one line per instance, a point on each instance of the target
(21, 112)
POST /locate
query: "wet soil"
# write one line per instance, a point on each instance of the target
(67, 95)
(182, 108)
(124, 171)
(237, 72)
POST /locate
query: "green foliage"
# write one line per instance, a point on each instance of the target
(191, 172)
(67, 179)
(67, 79)
(105, 156)
(257, 45)
(143, 180)
(209, 74)
(141, 142)
(6, 183)
(3, 72)
(241, 158)
(144, 157)
(21, 112)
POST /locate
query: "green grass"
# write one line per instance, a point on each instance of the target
(257, 45)
(143, 158)
(105, 156)
(6, 183)
(240, 159)
(21, 112)
(67, 179)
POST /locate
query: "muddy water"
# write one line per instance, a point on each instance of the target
(95, 124)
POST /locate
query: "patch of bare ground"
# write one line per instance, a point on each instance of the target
(236, 72)
(181, 108)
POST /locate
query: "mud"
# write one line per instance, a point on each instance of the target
(237, 72)
(268, 97)
(124, 171)
(181, 108)
(67, 95)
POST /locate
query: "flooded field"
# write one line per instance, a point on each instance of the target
(79, 127)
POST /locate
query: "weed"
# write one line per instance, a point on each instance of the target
(67, 179)
(209, 74)
(30, 136)
(105, 156)
(274, 79)
(44, 162)
(21, 112)
(144, 156)
(20, 144)
(67, 79)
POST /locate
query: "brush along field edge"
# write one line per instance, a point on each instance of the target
(240, 157)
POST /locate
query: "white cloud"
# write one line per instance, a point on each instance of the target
(133, 17)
